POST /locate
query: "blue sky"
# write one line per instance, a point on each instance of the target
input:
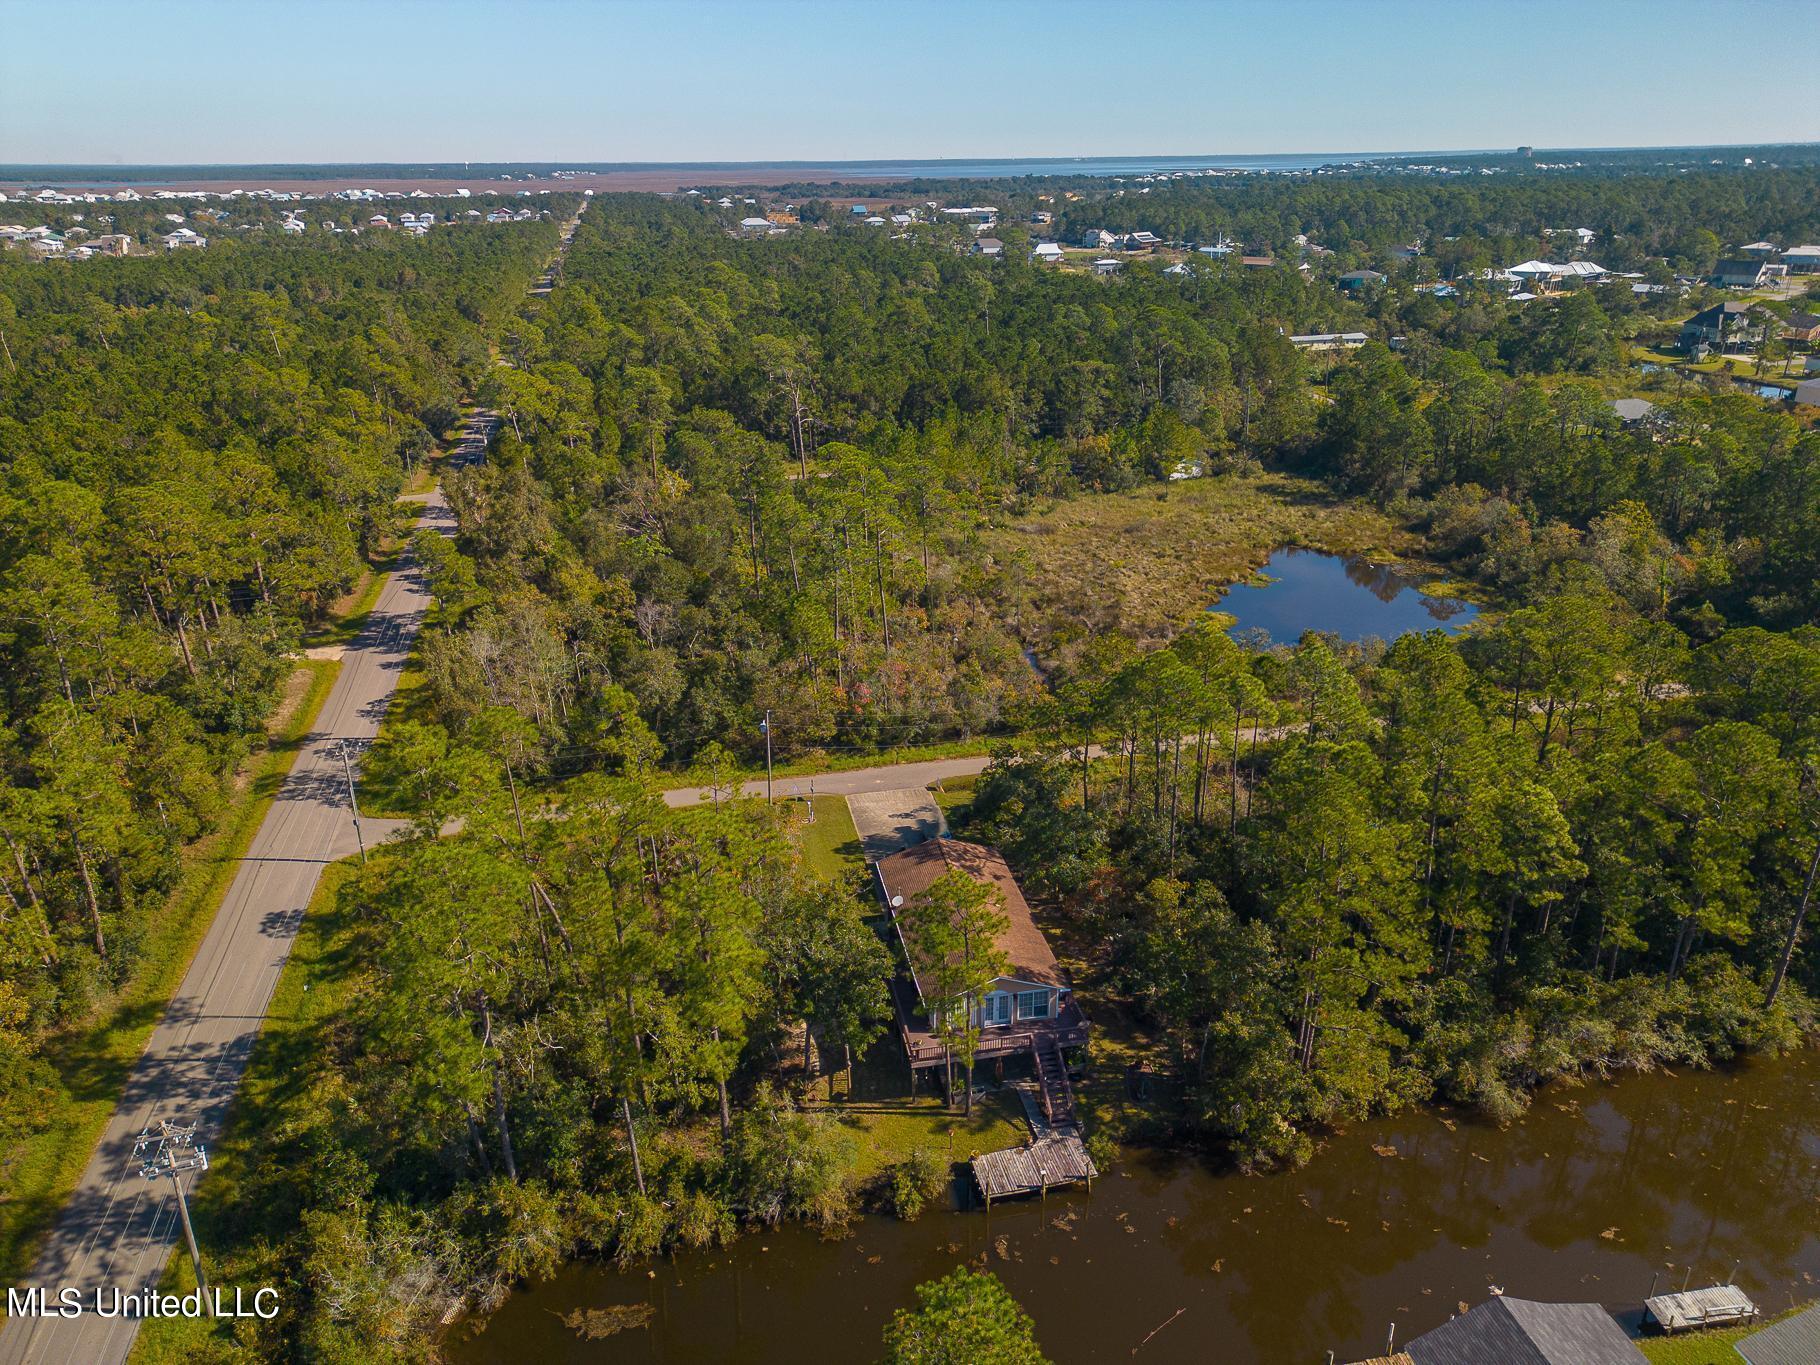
(705, 80)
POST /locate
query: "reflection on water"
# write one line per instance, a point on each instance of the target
(1594, 1191)
(1344, 595)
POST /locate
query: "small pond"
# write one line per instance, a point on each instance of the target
(1343, 595)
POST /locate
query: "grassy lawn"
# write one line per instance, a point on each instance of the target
(889, 1129)
(954, 795)
(93, 1060)
(409, 702)
(830, 846)
(352, 611)
(1155, 557)
(235, 1225)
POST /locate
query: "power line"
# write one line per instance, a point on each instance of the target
(171, 1149)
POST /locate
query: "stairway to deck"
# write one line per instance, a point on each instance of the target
(1052, 1079)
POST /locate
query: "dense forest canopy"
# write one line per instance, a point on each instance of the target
(198, 453)
(744, 474)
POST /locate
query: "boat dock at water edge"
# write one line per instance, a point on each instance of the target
(1717, 1306)
(1038, 1166)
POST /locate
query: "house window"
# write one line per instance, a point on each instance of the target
(1033, 1004)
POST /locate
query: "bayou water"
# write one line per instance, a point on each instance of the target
(1597, 1191)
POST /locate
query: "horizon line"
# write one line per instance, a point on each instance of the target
(814, 162)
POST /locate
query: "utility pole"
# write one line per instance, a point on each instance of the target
(765, 725)
(347, 771)
(171, 1149)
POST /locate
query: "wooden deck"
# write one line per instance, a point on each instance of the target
(924, 1048)
(1716, 1306)
(1040, 1165)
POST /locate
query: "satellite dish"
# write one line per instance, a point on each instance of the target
(896, 901)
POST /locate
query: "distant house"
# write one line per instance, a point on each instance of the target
(757, 227)
(1047, 253)
(988, 246)
(1221, 249)
(1546, 276)
(1042, 218)
(1142, 241)
(293, 225)
(1803, 327)
(1802, 260)
(1329, 341)
(1513, 1331)
(1723, 326)
(1758, 249)
(1405, 253)
(1097, 239)
(901, 220)
(1031, 1005)
(1742, 273)
(1108, 265)
(1634, 412)
(858, 210)
(1354, 280)
(1257, 262)
(184, 237)
(1179, 269)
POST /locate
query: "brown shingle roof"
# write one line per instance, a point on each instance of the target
(913, 871)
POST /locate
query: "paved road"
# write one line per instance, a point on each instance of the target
(892, 776)
(117, 1229)
(889, 777)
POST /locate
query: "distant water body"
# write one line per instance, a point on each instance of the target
(1089, 165)
(711, 171)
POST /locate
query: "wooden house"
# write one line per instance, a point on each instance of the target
(1031, 1009)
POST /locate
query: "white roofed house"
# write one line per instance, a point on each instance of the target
(1542, 277)
(1803, 259)
(1098, 239)
(184, 237)
(1757, 249)
(1329, 341)
(1047, 253)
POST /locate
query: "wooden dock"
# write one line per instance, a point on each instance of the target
(1716, 1306)
(1036, 1167)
